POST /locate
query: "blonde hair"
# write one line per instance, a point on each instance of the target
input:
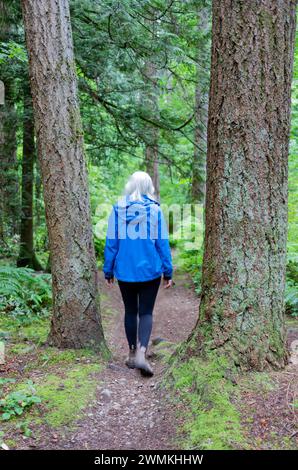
(139, 183)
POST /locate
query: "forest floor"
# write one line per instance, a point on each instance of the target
(92, 404)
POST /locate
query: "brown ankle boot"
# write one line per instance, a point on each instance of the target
(142, 363)
(130, 360)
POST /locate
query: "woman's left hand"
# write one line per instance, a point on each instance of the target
(167, 283)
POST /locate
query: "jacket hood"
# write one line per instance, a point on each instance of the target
(135, 211)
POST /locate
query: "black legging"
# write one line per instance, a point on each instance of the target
(138, 298)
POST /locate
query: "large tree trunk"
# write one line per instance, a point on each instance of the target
(9, 184)
(242, 305)
(76, 318)
(27, 255)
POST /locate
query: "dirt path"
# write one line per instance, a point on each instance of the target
(131, 412)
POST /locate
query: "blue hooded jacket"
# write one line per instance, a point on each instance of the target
(137, 243)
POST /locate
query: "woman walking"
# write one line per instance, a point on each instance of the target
(137, 254)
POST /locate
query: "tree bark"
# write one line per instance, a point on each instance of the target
(27, 255)
(9, 183)
(242, 305)
(76, 319)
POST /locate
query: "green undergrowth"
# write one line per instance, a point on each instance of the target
(55, 386)
(215, 403)
(210, 418)
(164, 350)
(190, 261)
(108, 311)
(57, 394)
(62, 397)
(13, 331)
(24, 294)
(65, 395)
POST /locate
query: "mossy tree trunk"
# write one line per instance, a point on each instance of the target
(76, 319)
(27, 255)
(242, 305)
(9, 184)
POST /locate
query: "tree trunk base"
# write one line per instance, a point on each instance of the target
(96, 343)
(242, 355)
(29, 262)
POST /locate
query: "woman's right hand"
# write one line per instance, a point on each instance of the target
(110, 282)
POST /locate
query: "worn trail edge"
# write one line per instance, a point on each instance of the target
(132, 412)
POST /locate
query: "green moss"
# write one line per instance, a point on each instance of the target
(36, 332)
(292, 322)
(53, 355)
(212, 420)
(21, 348)
(164, 350)
(103, 351)
(260, 382)
(266, 19)
(76, 127)
(277, 343)
(66, 384)
(11, 443)
(65, 395)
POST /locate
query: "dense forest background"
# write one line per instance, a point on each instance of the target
(143, 72)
